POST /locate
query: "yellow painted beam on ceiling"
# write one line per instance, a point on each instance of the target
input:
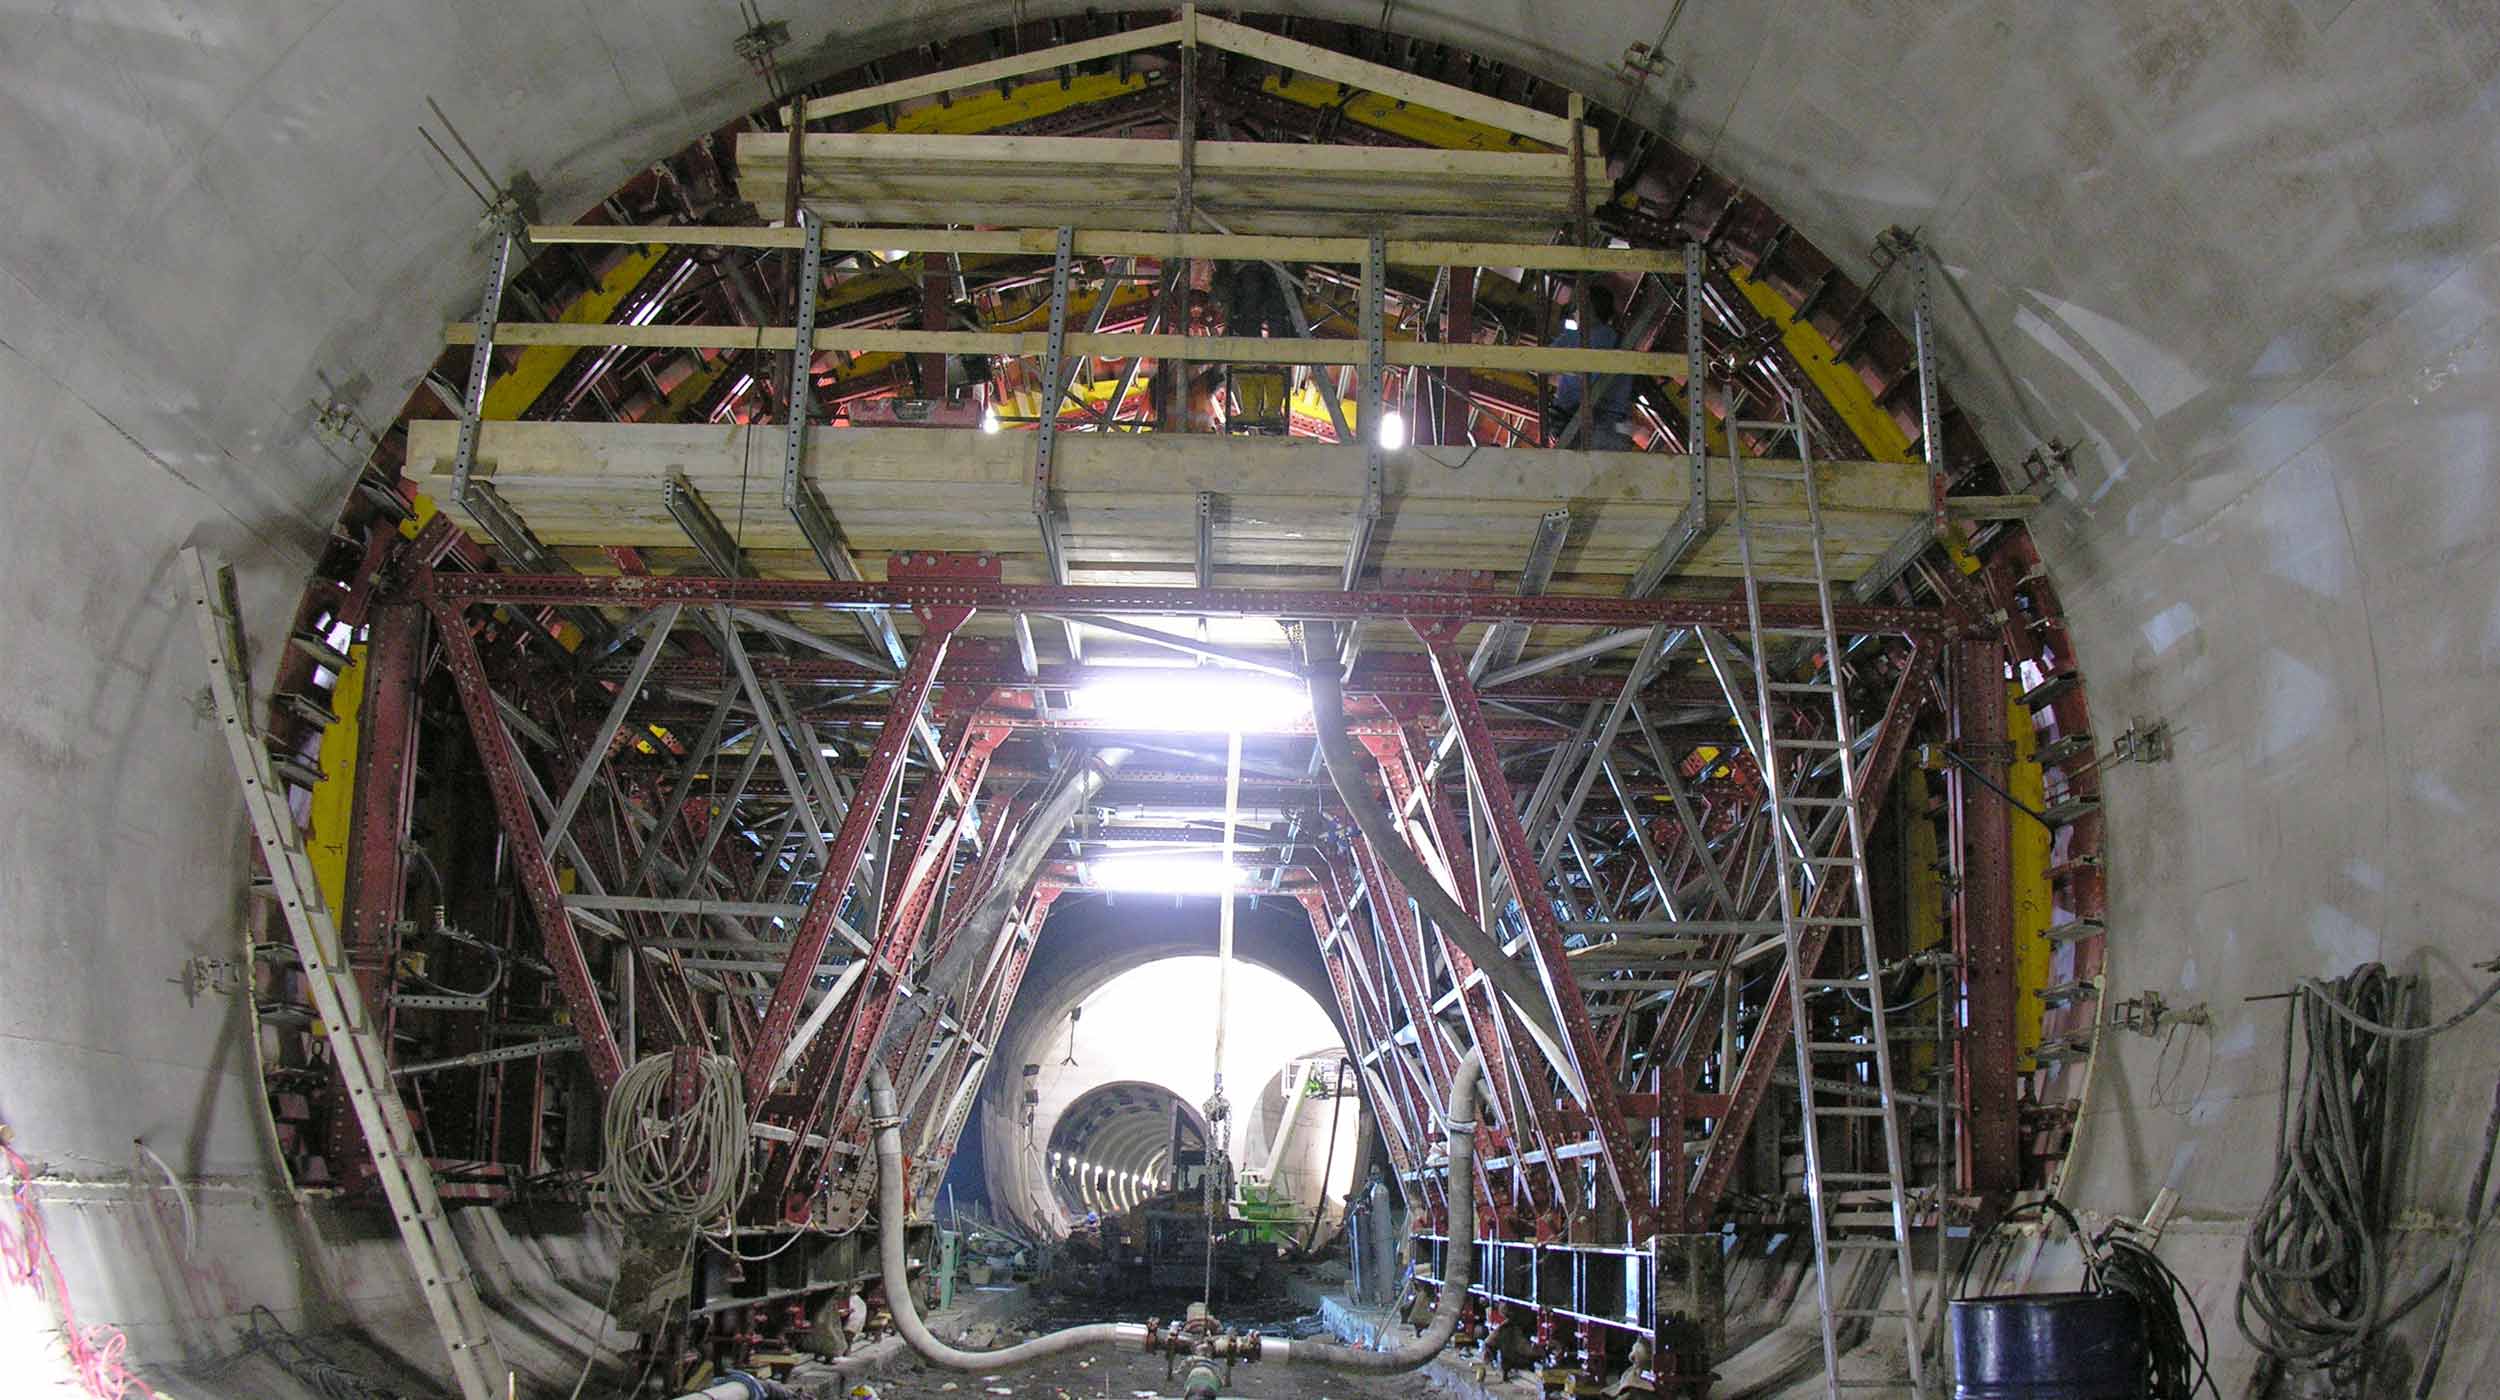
(990, 109)
(511, 394)
(1383, 113)
(1841, 386)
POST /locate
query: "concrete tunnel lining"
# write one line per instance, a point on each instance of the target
(2230, 251)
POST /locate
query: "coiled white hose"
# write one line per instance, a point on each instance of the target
(681, 1169)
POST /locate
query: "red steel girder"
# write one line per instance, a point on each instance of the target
(1767, 1051)
(1597, 1077)
(876, 784)
(1983, 922)
(377, 861)
(1290, 603)
(1497, 1038)
(501, 759)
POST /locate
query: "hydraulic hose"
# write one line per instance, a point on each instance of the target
(886, 1120)
(1516, 984)
(1458, 1260)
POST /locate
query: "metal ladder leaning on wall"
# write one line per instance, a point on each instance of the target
(442, 1270)
(1855, 1214)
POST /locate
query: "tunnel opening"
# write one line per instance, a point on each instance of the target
(1983, 1082)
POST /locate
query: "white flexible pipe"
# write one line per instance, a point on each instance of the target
(888, 1125)
(1458, 1260)
(1457, 1270)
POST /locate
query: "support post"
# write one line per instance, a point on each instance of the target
(501, 759)
(1983, 920)
(1584, 1063)
(876, 784)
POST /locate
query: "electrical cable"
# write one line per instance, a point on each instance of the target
(2314, 1271)
(96, 1351)
(2116, 1266)
(2178, 1365)
(682, 1169)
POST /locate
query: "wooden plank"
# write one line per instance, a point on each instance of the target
(927, 470)
(981, 74)
(1202, 349)
(1121, 243)
(1354, 72)
(897, 156)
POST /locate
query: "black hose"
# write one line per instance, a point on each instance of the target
(2313, 1273)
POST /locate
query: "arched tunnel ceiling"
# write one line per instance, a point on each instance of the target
(2243, 254)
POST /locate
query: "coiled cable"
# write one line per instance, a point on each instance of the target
(678, 1170)
(2313, 1289)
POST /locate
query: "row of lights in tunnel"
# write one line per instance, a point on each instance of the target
(1081, 1167)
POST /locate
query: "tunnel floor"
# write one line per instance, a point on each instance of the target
(1108, 1373)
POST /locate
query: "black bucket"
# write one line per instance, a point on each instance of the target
(2048, 1346)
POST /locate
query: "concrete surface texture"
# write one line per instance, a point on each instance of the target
(2243, 252)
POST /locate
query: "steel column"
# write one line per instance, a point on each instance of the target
(1597, 1089)
(876, 784)
(1983, 921)
(504, 777)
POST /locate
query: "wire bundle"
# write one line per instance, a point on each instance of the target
(2116, 1265)
(2177, 1364)
(2313, 1274)
(681, 1169)
(95, 1352)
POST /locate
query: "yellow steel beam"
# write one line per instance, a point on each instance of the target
(332, 813)
(1841, 386)
(2033, 899)
(511, 394)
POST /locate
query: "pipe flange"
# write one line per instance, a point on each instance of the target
(880, 1123)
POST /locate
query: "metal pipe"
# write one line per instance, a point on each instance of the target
(1458, 1265)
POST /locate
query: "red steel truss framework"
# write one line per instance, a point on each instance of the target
(681, 896)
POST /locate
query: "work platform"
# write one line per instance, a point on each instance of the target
(1284, 509)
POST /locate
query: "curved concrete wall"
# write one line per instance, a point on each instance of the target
(2245, 253)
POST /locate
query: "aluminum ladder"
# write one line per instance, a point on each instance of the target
(1855, 1213)
(442, 1270)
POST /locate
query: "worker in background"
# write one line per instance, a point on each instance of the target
(1610, 423)
(1255, 304)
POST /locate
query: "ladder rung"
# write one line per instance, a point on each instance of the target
(1855, 1246)
(1868, 1312)
(1814, 801)
(1800, 688)
(1816, 633)
(1857, 1178)
(1853, 1218)
(1851, 1110)
(1817, 984)
(1899, 1387)
(1805, 743)
(1838, 921)
(1757, 474)
(1821, 1047)
(1779, 527)
(1833, 862)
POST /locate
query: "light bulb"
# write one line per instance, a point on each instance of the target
(989, 419)
(1392, 430)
